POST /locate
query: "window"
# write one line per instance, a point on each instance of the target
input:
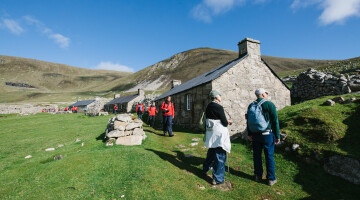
(188, 101)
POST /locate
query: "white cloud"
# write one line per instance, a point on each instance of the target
(339, 10)
(61, 40)
(12, 26)
(207, 9)
(58, 38)
(114, 66)
(334, 11)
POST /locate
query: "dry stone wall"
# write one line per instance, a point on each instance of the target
(312, 84)
(124, 130)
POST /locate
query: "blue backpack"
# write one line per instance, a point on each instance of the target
(256, 119)
(140, 108)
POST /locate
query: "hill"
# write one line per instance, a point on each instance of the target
(58, 82)
(189, 64)
(46, 78)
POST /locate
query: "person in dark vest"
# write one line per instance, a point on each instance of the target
(167, 109)
(264, 132)
(115, 108)
(217, 139)
(140, 110)
(152, 112)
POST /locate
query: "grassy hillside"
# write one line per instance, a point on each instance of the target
(158, 169)
(50, 79)
(189, 64)
(58, 82)
(323, 130)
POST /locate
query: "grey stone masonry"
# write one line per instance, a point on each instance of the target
(238, 84)
(312, 84)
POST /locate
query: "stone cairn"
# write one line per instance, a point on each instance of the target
(125, 130)
(312, 84)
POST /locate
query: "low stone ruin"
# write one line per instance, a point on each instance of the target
(125, 129)
(95, 109)
(312, 84)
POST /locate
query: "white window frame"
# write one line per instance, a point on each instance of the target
(188, 102)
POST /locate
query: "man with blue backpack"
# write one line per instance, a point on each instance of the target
(140, 110)
(264, 132)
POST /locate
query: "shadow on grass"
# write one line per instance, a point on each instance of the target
(314, 180)
(102, 137)
(350, 142)
(189, 164)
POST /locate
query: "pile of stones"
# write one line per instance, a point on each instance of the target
(124, 129)
(312, 84)
(354, 82)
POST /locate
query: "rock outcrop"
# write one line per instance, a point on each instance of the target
(125, 130)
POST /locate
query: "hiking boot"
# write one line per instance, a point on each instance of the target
(171, 135)
(213, 182)
(272, 182)
(258, 179)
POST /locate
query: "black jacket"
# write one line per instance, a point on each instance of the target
(216, 111)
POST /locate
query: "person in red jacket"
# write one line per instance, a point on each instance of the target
(152, 111)
(167, 109)
(115, 108)
(75, 109)
(66, 109)
(140, 109)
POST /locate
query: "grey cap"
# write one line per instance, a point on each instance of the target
(260, 91)
(215, 93)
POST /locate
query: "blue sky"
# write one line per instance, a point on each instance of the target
(133, 34)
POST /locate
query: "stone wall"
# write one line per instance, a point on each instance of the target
(25, 108)
(238, 86)
(95, 107)
(312, 84)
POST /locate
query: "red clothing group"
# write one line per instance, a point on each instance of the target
(152, 110)
(138, 108)
(168, 106)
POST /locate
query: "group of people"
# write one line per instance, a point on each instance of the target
(262, 128)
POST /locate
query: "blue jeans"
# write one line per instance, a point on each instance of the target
(115, 112)
(216, 158)
(266, 142)
(167, 124)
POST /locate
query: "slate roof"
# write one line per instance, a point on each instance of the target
(82, 103)
(202, 79)
(121, 100)
(210, 76)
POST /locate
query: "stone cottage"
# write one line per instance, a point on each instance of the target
(126, 103)
(81, 105)
(237, 80)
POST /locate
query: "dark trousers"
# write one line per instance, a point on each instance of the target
(167, 124)
(151, 120)
(216, 158)
(139, 115)
(266, 142)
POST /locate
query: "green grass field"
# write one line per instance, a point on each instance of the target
(158, 169)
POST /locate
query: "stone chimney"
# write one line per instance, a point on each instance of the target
(249, 46)
(116, 96)
(175, 83)
(141, 92)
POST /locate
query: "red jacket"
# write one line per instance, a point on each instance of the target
(137, 108)
(116, 107)
(170, 107)
(152, 110)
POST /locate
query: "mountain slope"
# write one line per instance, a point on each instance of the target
(189, 64)
(52, 76)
